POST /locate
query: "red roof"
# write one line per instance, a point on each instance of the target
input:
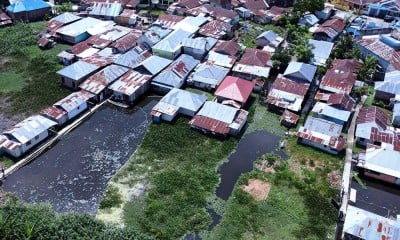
(255, 5)
(227, 47)
(373, 114)
(289, 117)
(189, 4)
(276, 10)
(341, 76)
(53, 112)
(256, 57)
(336, 24)
(53, 25)
(210, 124)
(344, 101)
(235, 88)
(126, 42)
(79, 48)
(168, 20)
(215, 29)
(284, 84)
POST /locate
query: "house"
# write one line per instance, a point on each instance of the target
(104, 39)
(102, 58)
(219, 119)
(341, 76)
(370, 120)
(321, 51)
(168, 21)
(220, 59)
(5, 20)
(388, 57)
(97, 83)
(130, 86)
(152, 65)
(218, 13)
(153, 35)
(230, 48)
(363, 26)
(341, 101)
(396, 115)
(221, 3)
(191, 24)
(322, 134)
(75, 103)
(287, 94)
(105, 10)
(28, 10)
(330, 113)
(325, 13)
(25, 135)
(207, 76)
(45, 43)
(244, 12)
(76, 73)
(362, 224)
(216, 29)
(389, 88)
(301, 72)
(78, 31)
(253, 63)
(132, 58)
(381, 162)
(128, 17)
(330, 30)
(61, 20)
(289, 119)
(308, 20)
(176, 102)
(55, 114)
(171, 46)
(125, 43)
(236, 89)
(272, 15)
(174, 76)
(269, 38)
(198, 47)
(384, 8)
(254, 5)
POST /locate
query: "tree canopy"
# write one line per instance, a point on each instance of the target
(303, 6)
(367, 69)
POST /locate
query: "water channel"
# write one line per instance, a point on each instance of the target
(73, 174)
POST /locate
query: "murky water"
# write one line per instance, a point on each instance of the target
(73, 174)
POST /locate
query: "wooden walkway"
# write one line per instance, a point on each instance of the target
(51, 141)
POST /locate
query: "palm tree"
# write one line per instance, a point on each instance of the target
(367, 69)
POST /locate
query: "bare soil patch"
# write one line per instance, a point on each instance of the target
(265, 167)
(335, 179)
(258, 189)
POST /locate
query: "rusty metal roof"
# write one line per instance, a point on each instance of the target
(102, 58)
(372, 114)
(130, 82)
(341, 77)
(168, 20)
(53, 112)
(375, 46)
(284, 84)
(74, 100)
(227, 47)
(235, 88)
(255, 5)
(126, 42)
(256, 57)
(342, 101)
(215, 29)
(289, 117)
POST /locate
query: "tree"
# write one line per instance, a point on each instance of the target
(367, 69)
(281, 58)
(344, 48)
(304, 52)
(303, 6)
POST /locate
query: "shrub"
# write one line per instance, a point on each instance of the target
(112, 198)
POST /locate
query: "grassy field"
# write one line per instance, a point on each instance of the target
(248, 37)
(31, 80)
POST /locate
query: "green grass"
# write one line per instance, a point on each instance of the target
(7, 162)
(248, 38)
(369, 101)
(265, 120)
(36, 84)
(11, 82)
(112, 198)
(180, 164)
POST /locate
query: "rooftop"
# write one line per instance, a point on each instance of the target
(78, 70)
(235, 88)
(130, 82)
(300, 71)
(100, 80)
(74, 100)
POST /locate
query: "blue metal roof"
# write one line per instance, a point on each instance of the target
(300, 71)
(27, 5)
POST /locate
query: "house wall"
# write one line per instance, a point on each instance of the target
(75, 39)
(167, 117)
(17, 152)
(71, 83)
(59, 121)
(186, 112)
(202, 85)
(383, 96)
(30, 16)
(30, 144)
(75, 112)
(318, 146)
(381, 176)
(167, 54)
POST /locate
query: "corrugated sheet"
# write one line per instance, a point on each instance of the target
(81, 26)
(100, 80)
(200, 43)
(74, 100)
(132, 58)
(210, 124)
(227, 47)
(66, 18)
(373, 114)
(209, 74)
(173, 41)
(391, 84)
(78, 70)
(235, 88)
(220, 59)
(341, 77)
(256, 57)
(289, 117)
(343, 101)
(106, 9)
(130, 82)
(321, 108)
(216, 29)
(300, 71)
(154, 64)
(29, 128)
(168, 20)
(125, 43)
(53, 112)
(182, 99)
(218, 112)
(27, 6)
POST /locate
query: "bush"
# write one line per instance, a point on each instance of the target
(112, 198)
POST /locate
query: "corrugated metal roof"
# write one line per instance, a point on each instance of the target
(309, 19)
(74, 100)
(154, 64)
(130, 82)
(27, 6)
(215, 29)
(341, 77)
(53, 112)
(235, 88)
(190, 24)
(209, 74)
(218, 112)
(127, 42)
(372, 114)
(168, 20)
(289, 117)
(81, 26)
(106, 9)
(227, 47)
(199, 43)
(173, 41)
(211, 124)
(78, 70)
(156, 33)
(391, 84)
(322, 50)
(366, 225)
(66, 18)
(321, 108)
(175, 74)
(132, 58)
(8, 144)
(256, 57)
(300, 71)
(220, 59)
(342, 101)
(29, 128)
(181, 99)
(380, 49)
(100, 80)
